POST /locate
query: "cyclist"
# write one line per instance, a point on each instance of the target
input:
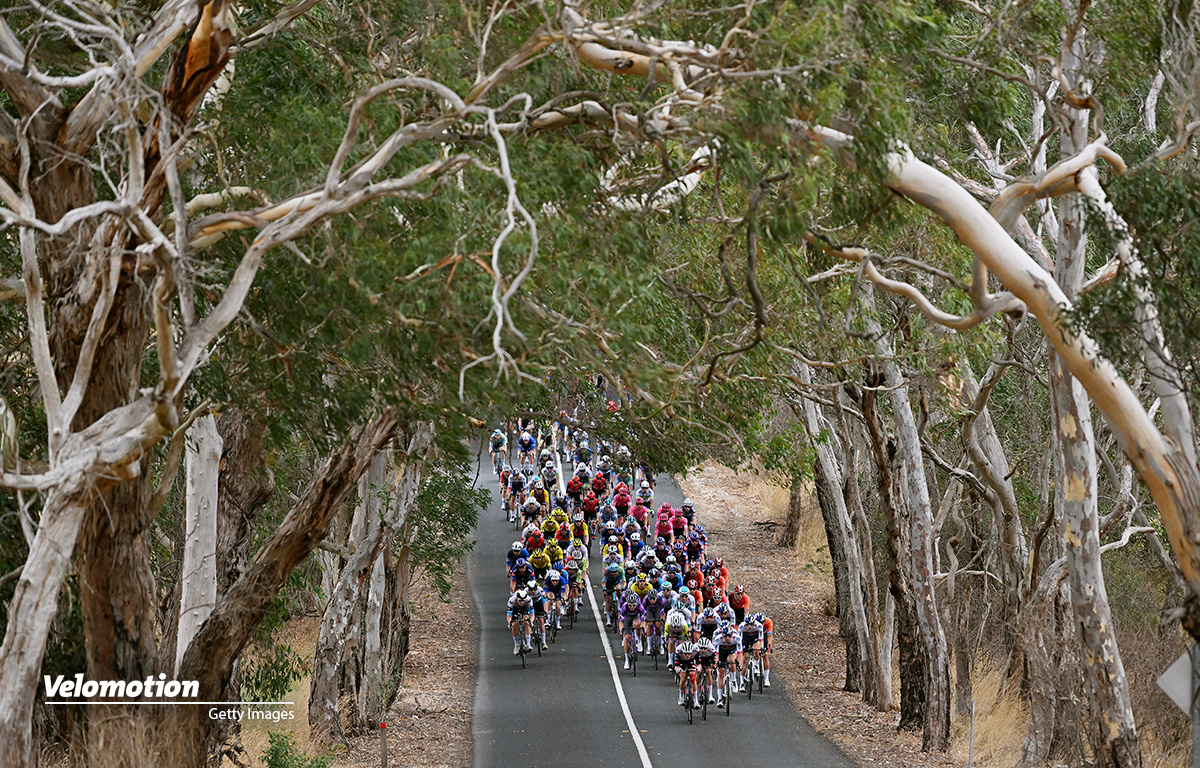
(531, 511)
(526, 446)
(579, 530)
(521, 572)
(621, 500)
(706, 654)
(631, 614)
(499, 449)
(575, 488)
(577, 578)
(739, 601)
(679, 526)
(516, 487)
(520, 611)
(661, 549)
(655, 605)
(578, 554)
(614, 581)
(688, 601)
(685, 662)
(550, 475)
(768, 630)
(539, 610)
(662, 527)
(600, 484)
(729, 648)
(505, 478)
(591, 506)
(555, 587)
(645, 493)
(541, 562)
(533, 537)
(635, 544)
(752, 643)
(695, 548)
(679, 629)
(540, 495)
(554, 551)
(689, 511)
(515, 553)
(707, 624)
(583, 454)
(608, 514)
(724, 612)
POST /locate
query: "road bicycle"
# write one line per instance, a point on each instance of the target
(525, 638)
(654, 639)
(689, 693)
(631, 633)
(552, 622)
(730, 687)
(573, 596)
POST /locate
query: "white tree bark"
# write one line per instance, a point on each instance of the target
(198, 576)
(356, 603)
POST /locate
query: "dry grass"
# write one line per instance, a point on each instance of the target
(1000, 722)
(301, 635)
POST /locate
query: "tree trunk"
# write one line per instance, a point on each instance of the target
(841, 590)
(791, 527)
(920, 561)
(356, 605)
(198, 577)
(912, 657)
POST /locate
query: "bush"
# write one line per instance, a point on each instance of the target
(283, 753)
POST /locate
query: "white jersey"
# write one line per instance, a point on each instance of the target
(677, 619)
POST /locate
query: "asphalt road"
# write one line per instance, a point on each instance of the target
(565, 709)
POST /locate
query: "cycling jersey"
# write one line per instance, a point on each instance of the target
(513, 557)
(555, 590)
(727, 643)
(517, 483)
(579, 531)
(632, 610)
(528, 443)
(708, 627)
(686, 661)
(654, 608)
(498, 442)
(599, 484)
(678, 624)
(554, 551)
(517, 609)
(574, 487)
(708, 659)
(540, 560)
(752, 632)
(739, 604)
(724, 612)
(641, 588)
(621, 501)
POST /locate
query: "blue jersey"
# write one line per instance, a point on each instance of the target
(513, 557)
(559, 590)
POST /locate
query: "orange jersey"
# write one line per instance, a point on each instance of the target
(767, 625)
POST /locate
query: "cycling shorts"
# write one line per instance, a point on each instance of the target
(707, 662)
(724, 652)
(654, 614)
(676, 632)
(707, 630)
(749, 641)
(539, 608)
(610, 585)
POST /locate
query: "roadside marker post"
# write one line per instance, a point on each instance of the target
(383, 744)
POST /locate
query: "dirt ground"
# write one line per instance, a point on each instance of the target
(795, 588)
(429, 724)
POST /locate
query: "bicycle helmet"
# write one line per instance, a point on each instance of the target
(631, 597)
(645, 484)
(577, 517)
(705, 645)
(613, 567)
(635, 536)
(555, 576)
(572, 565)
(687, 647)
(760, 617)
(687, 502)
(642, 577)
(709, 613)
(522, 562)
(683, 591)
(516, 546)
(739, 590)
(532, 585)
(538, 484)
(720, 562)
(660, 540)
(692, 585)
(522, 595)
(653, 596)
(630, 565)
(671, 560)
(577, 543)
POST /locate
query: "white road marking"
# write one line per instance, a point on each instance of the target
(608, 652)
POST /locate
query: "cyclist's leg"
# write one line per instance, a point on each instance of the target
(766, 657)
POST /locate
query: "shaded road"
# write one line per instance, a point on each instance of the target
(564, 709)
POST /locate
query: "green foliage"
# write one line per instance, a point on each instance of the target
(440, 521)
(283, 753)
(268, 673)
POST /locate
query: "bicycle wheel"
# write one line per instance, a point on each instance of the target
(687, 703)
(633, 654)
(704, 704)
(760, 676)
(728, 690)
(522, 655)
(749, 681)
